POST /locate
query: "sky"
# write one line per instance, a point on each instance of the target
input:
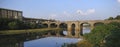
(65, 10)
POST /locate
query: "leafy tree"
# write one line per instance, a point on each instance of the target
(32, 25)
(117, 24)
(13, 25)
(98, 34)
(110, 18)
(113, 39)
(3, 23)
(6, 23)
(118, 17)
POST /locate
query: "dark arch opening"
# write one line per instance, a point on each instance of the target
(45, 25)
(98, 24)
(85, 28)
(73, 29)
(53, 25)
(63, 25)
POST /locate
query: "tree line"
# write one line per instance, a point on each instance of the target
(112, 18)
(15, 24)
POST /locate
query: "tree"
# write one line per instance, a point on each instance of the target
(110, 18)
(32, 25)
(98, 34)
(113, 39)
(117, 24)
(118, 17)
(4, 23)
(13, 25)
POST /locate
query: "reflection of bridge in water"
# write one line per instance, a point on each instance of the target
(17, 40)
(75, 26)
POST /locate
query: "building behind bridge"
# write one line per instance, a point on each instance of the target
(15, 14)
(36, 20)
(9, 13)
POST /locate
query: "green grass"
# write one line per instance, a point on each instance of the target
(10, 32)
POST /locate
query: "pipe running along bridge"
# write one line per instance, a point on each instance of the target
(76, 25)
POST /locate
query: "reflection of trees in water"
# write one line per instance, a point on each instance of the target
(18, 40)
(11, 41)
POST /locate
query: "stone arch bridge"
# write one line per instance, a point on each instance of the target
(78, 25)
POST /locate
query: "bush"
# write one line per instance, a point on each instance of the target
(84, 43)
(98, 34)
(13, 25)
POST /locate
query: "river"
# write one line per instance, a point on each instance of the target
(37, 41)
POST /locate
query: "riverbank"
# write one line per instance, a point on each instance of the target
(12, 32)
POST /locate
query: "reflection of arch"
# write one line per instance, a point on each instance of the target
(63, 25)
(98, 23)
(53, 25)
(53, 33)
(45, 25)
(73, 29)
(62, 33)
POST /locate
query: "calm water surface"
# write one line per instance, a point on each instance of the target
(54, 41)
(50, 42)
(35, 40)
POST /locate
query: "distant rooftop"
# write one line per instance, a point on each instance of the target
(11, 9)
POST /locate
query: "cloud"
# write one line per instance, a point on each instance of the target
(66, 13)
(63, 16)
(88, 12)
(66, 16)
(118, 1)
(52, 16)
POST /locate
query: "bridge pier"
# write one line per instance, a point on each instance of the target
(81, 30)
(69, 30)
(57, 25)
(92, 26)
(48, 25)
(77, 30)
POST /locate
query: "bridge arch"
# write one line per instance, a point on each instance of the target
(53, 25)
(45, 25)
(73, 25)
(62, 25)
(77, 26)
(83, 26)
(98, 23)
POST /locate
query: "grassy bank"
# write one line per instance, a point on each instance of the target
(10, 32)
